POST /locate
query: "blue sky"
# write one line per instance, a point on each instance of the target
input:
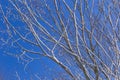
(15, 60)
(10, 66)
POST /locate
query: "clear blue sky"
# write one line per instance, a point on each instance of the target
(43, 67)
(9, 65)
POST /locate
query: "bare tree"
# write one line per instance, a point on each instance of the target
(81, 36)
